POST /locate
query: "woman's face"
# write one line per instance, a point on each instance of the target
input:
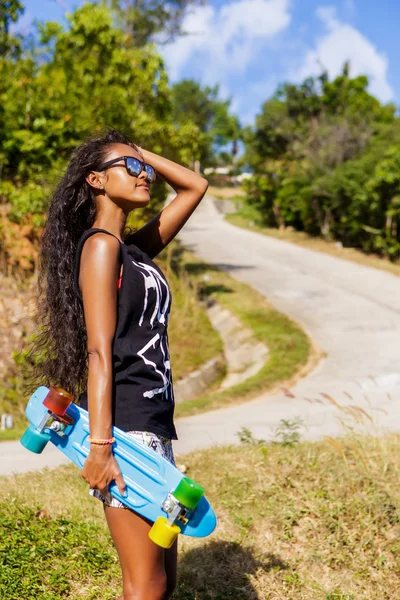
(118, 185)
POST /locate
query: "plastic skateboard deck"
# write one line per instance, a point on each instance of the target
(148, 476)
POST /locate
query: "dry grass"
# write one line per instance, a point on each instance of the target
(302, 522)
(315, 521)
(226, 193)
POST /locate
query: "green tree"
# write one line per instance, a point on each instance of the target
(382, 192)
(143, 20)
(78, 80)
(330, 118)
(10, 11)
(313, 149)
(192, 103)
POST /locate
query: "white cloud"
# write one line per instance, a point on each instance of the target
(223, 41)
(343, 42)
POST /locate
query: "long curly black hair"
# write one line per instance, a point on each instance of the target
(58, 353)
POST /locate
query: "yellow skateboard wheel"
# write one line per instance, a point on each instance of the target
(163, 534)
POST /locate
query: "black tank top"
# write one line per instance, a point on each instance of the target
(143, 397)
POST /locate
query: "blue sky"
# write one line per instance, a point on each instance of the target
(250, 46)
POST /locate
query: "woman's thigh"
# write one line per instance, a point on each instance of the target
(145, 565)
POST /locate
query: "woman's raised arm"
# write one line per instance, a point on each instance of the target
(190, 189)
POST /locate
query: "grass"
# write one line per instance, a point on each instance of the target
(290, 349)
(16, 432)
(227, 193)
(13, 403)
(305, 521)
(249, 218)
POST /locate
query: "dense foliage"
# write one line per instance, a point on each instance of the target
(70, 84)
(201, 106)
(326, 160)
(60, 84)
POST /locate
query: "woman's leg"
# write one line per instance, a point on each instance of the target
(170, 564)
(148, 571)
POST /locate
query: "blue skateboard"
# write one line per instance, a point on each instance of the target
(155, 488)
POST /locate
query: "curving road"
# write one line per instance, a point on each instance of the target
(352, 312)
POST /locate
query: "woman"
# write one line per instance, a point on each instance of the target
(104, 324)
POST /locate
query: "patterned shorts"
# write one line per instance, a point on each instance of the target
(159, 443)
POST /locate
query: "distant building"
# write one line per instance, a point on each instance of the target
(225, 176)
(217, 170)
(243, 176)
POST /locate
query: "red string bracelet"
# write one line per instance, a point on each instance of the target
(101, 442)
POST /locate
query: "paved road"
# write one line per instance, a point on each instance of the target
(351, 311)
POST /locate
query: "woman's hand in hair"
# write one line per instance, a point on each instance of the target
(190, 188)
(101, 468)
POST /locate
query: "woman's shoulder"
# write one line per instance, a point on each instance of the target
(94, 233)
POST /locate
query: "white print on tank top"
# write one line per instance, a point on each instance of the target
(153, 280)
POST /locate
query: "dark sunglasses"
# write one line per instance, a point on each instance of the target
(134, 166)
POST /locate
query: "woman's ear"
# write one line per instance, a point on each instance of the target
(94, 180)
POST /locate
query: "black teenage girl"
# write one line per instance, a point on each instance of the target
(104, 321)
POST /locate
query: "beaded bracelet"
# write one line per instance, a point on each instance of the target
(101, 442)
